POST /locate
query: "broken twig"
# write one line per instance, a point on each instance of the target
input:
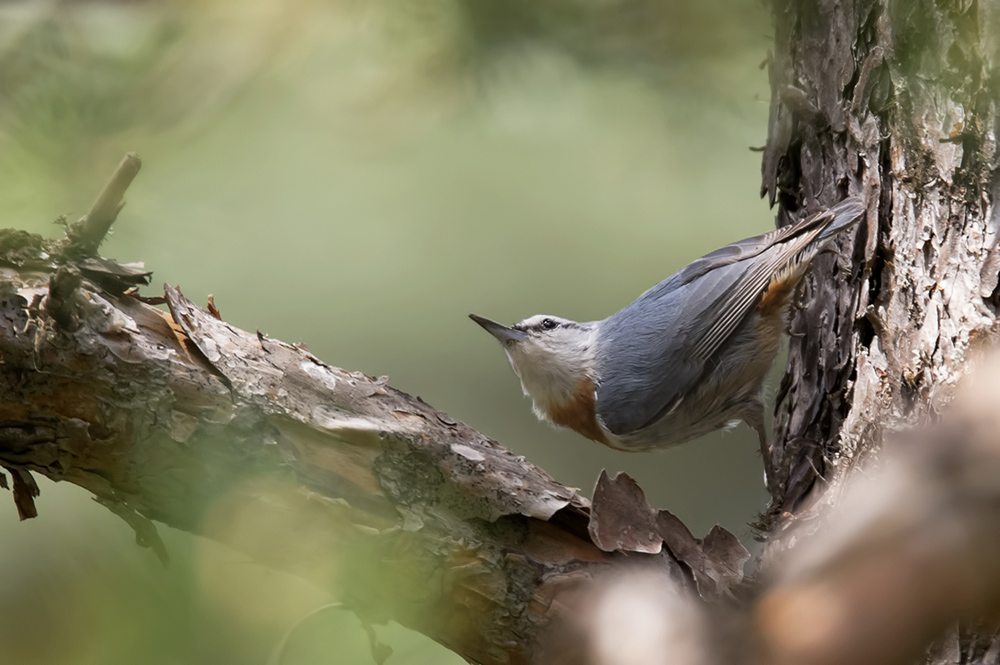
(88, 232)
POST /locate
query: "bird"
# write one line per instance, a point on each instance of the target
(687, 357)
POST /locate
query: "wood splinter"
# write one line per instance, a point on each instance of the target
(86, 235)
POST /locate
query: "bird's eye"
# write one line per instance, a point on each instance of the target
(548, 324)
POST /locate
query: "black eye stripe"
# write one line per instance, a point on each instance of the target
(545, 325)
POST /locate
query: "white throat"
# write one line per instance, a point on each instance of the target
(551, 367)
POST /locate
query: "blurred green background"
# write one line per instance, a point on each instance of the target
(359, 176)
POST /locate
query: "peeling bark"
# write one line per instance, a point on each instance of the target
(896, 102)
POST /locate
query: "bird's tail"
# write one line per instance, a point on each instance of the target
(845, 214)
(786, 269)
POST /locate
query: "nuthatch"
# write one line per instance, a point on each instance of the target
(687, 357)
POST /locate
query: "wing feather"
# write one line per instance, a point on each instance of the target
(747, 292)
(655, 350)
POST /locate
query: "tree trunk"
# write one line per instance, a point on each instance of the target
(895, 101)
(407, 514)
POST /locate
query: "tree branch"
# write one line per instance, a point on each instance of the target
(397, 508)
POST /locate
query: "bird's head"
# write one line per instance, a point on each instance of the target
(549, 354)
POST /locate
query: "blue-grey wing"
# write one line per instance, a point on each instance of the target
(656, 349)
(645, 354)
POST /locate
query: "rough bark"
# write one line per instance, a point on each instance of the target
(895, 101)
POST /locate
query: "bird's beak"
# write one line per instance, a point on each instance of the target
(501, 332)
